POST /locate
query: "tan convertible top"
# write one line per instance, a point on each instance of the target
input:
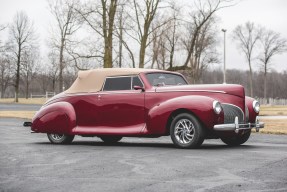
(92, 80)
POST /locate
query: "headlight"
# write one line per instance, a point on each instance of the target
(256, 106)
(217, 107)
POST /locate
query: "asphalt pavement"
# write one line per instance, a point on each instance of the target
(19, 107)
(28, 162)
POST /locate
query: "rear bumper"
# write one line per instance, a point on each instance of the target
(237, 127)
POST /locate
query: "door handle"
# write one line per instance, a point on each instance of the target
(99, 97)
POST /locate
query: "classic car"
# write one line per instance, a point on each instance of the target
(115, 103)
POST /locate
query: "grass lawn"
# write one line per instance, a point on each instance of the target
(40, 101)
(18, 114)
(273, 110)
(275, 126)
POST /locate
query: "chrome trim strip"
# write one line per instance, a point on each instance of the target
(104, 93)
(161, 91)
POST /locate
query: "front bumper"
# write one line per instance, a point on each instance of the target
(237, 127)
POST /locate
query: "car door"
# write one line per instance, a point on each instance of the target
(121, 107)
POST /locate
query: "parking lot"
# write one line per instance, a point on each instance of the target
(28, 162)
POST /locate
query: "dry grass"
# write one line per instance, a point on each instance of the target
(40, 101)
(18, 114)
(273, 110)
(275, 126)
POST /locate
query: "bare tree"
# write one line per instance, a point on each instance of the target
(204, 52)
(2, 28)
(247, 36)
(5, 72)
(53, 69)
(67, 25)
(205, 9)
(144, 17)
(22, 37)
(101, 20)
(31, 59)
(165, 39)
(121, 26)
(272, 44)
(172, 35)
(120, 35)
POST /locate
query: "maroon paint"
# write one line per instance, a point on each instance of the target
(134, 112)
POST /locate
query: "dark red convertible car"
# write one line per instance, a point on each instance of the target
(115, 103)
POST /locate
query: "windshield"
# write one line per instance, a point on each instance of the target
(162, 79)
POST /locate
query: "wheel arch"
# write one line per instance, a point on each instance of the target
(59, 117)
(174, 114)
(201, 107)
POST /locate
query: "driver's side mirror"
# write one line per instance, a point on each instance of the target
(136, 87)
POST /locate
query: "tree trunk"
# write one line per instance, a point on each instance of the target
(18, 74)
(265, 80)
(2, 85)
(27, 86)
(2, 90)
(171, 57)
(108, 32)
(250, 78)
(142, 51)
(121, 46)
(61, 66)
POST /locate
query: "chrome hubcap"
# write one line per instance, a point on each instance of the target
(57, 136)
(184, 131)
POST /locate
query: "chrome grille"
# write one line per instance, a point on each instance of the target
(230, 112)
(246, 114)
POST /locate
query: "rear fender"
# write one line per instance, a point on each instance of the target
(57, 118)
(200, 106)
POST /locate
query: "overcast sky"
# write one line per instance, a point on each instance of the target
(271, 14)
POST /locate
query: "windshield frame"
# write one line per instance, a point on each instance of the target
(168, 73)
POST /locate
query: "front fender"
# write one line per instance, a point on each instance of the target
(57, 118)
(252, 113)
(200, 106)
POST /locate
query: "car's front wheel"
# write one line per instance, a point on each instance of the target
(111, 139)
(237, 140)
(186, 131)
(60, 138)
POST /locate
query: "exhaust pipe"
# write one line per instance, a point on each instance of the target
(27, 124)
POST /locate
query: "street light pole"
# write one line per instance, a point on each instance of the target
(224, 67)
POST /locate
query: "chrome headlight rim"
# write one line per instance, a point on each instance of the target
(256, 106)
(217, 107)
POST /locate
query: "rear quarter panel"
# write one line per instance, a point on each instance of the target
(57, 118)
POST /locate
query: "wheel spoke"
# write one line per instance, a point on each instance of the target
(57, 136)
(188, 136)
(184, 131)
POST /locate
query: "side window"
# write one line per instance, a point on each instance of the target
(137, 81)
(117, 83)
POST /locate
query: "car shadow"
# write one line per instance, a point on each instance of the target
(122, 144)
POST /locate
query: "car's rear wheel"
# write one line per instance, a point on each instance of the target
(60, 138)
(111, 139)
(236, 140)
(186, 131)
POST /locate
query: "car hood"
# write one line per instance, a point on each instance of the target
(232, 89)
